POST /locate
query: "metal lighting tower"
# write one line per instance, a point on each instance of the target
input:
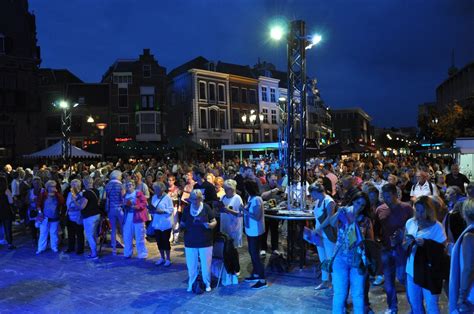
(295, 137)
(66, 122)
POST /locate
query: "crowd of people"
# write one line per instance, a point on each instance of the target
(379, 220)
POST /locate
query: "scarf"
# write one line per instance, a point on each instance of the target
(195, 211)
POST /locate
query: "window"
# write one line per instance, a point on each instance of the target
(222, 119)
(221, 93)
(123, 125)
(148, 101)
(244, 95)
(122, 78)
(148, 123)
(272, 95)
(275, 135)
(235, 118)
(203, 118)
(274, 116)
(266, 135)
(212, 92)
(265, 115)
(146, 70)
(252, 96)
(235, 94)
(264, 94)
(202, 91)
(213, 119)
(123, 97)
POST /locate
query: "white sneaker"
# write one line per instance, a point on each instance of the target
(378, 280)
(208, 289)
(159, 262)
(190, 289)
(263, 253)
(167, 263)
(3, 242)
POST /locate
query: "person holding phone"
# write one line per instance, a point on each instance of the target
(231, 212)
(198, 221)
(162, 210)
(254, 221)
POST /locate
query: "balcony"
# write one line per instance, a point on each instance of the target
(148, 126)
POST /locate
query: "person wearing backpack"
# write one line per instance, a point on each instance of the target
(423, 186)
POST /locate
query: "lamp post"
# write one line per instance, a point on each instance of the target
(434, 122)
(295, 137)
(101, 127)
(66, 125)
(252, 120)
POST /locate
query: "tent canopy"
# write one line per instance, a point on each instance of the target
(55, 151)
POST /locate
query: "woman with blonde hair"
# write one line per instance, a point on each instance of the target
(219, 184)
(425, 238)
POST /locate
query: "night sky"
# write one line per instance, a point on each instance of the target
(385, 56)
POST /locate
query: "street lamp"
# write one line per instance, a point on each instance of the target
(90, 119)
(66, 125)
(252, 120)
(295, 136)
(101, 127)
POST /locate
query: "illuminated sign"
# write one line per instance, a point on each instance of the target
(122, 139)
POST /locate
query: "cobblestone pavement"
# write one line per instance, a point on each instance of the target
(60, 283)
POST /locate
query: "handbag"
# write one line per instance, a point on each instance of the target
(329, 230)
(326, 265)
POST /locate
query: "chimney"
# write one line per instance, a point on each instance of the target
(146, 51)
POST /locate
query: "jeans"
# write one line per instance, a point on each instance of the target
(254, 251)
(116, 221)
(271, 225)
(193, 255)
(344, 277)
(325, 252)
(51, 228)
(416, 294)
(75, 236)
(90, 227)
(131, 230)
(7, 225)
(391, 271)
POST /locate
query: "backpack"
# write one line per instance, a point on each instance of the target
(231, 255)
(278, 263)
(198, 285)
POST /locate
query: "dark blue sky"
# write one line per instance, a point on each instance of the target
(385, 56)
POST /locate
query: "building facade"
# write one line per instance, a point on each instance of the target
(457, 88)
(352, 125)
(269, 97)
(199, 104)
(137, 99)
(19, 94)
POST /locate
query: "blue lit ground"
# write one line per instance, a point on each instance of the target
(57, 283)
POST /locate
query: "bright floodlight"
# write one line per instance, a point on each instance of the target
(90, 120)
(276, 32)
(63, 104)
(75, 105)
(281, 98)
(316, 39)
